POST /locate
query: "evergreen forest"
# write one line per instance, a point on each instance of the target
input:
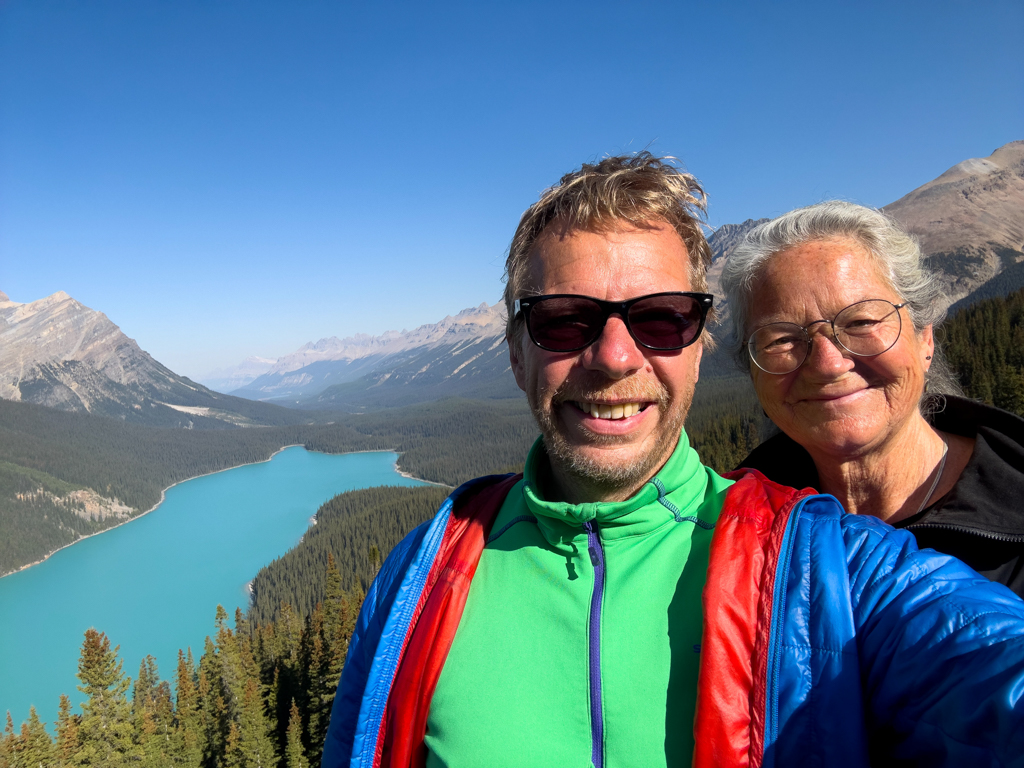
(984, 345)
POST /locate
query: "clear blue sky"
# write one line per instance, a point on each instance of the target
(229, 178)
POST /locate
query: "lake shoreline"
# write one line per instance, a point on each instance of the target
(163, 496)
(207, 543)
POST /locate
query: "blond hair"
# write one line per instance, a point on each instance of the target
(637, 189)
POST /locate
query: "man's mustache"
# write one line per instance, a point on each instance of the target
(630, 390)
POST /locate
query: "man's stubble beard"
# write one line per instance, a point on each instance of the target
(603, 478)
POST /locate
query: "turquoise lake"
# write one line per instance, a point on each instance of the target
(153, 585)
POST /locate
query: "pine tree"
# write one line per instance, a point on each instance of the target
(318, 685)
(233, 755)
(294, 754)
(105, 730)
(255, 743)
(68, 741)
(214, 722)
(7, 744)
(36, 748)
(232, 677)
(153, 715)
(188, 732)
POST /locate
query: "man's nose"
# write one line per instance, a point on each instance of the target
(615, 353)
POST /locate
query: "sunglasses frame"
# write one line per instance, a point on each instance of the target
(609, 308)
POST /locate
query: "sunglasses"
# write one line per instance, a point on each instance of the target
(565, 322)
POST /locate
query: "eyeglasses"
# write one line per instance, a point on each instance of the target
(864, 329)
(565, 322)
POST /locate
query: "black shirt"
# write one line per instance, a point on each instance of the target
(981, 519)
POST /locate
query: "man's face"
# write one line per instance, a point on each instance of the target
(607, 456)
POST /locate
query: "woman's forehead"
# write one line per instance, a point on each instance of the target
(818, 278)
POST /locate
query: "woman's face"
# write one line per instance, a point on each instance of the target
(836, 404)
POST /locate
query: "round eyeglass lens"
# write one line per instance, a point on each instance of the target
(778, 347)
(868, 328)
(864, 329)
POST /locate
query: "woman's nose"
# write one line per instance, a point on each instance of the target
(826, 355)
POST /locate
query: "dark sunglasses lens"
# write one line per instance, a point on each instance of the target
(666, 322)
(565, 324)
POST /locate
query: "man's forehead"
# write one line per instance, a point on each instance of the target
(642, 252)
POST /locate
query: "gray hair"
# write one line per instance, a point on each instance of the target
(897, 253)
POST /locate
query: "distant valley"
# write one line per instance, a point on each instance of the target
(462, 355)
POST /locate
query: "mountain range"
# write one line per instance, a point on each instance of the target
(330, 362)
(59, 353)
(969, 221)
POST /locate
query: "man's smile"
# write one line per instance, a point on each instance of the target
(612, 411)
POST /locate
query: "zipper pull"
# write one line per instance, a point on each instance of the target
(595, 557)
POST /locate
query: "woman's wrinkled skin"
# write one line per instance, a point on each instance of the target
(857, 417)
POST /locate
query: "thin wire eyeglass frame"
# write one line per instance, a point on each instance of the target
(835, 339)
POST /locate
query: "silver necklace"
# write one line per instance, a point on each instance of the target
(938, 474)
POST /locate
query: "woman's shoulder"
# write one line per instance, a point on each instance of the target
(783, 460)
(966, 417)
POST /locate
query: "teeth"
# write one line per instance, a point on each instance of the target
(617, 411)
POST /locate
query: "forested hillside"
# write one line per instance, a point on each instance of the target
(984, 344)
(725, 421)
(357, 530)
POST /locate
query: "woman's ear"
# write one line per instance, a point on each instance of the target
(927, 340)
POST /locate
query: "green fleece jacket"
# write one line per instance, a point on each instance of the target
(579, 647)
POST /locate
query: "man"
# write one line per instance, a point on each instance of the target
(556, 619)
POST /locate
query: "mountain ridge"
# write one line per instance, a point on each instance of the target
(969, 220)
(329, 361)
(59, 353)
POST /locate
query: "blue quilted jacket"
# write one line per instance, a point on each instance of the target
(829, 639)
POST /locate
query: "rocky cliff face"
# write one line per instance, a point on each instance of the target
(59, 353)
(970, 220)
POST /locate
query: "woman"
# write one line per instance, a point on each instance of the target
(834, 313)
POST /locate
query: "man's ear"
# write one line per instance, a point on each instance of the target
(696, 362)
(515, 359)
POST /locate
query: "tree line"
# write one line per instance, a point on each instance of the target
(259, 697)
(984, 345)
